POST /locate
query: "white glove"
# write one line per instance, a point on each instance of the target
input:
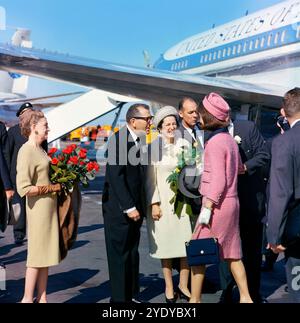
(204, 216)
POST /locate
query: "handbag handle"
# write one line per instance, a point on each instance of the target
(209, 227)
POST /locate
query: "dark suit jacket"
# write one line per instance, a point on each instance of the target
(123, 181)
(195, 203)
(251, 188)
(284, 184)
(15, 142)
(4, 141)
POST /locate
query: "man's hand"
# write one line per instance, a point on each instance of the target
(156, 212)
(276, 248)
(134, 215)
(9, 194)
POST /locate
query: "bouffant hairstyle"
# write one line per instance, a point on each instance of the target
(211, 122)
(29, 118)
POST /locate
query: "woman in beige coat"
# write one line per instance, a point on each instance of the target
(41, 205)
(167, 232)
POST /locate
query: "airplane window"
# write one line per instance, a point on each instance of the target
(215, 55)
(256, 43)
(182, 64)
(228, 51)
(233, 50)
(239, 48)
(251, 45)
(283, 36)
(262, 42)
(245, 46)
(276, 38)
(219, 54)
(210, 55)
(269, 39)
(224, 52)
(201, 59)
(205, 58)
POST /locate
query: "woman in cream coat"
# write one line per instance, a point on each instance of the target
(167, 232)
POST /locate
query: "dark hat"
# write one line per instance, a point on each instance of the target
(189, 181)
(24, 106)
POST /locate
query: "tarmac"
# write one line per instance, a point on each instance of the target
(83, 276)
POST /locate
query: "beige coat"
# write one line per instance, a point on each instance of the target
(167, 236)
(42, 220)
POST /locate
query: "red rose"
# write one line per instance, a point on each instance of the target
(73, 160)
(61, 158)
(67, 150)
(54, 161)
(90, 166)
(73, 146)
(83, 150)
(96, 167)
(82, 163)
(82, 154)
(52, 151)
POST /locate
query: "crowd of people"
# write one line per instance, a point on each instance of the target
(232, 202)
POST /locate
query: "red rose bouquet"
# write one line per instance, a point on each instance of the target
(71, 166)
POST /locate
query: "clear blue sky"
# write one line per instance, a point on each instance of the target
(116, 30)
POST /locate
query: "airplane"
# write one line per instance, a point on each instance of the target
(251, 61)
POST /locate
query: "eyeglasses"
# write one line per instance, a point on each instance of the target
(147, 119)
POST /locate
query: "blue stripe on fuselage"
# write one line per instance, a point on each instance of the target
(285, 36)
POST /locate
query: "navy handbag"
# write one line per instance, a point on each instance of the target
(202, 251)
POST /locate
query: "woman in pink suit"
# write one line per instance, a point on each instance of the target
(220, 204)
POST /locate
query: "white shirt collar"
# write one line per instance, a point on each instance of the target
(133, 134)
(231, 128)
(292, 125)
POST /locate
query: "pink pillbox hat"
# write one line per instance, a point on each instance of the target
(216, 106)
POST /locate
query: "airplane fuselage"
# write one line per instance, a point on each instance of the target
(263, 47)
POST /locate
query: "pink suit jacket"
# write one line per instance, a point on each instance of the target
(222, 164)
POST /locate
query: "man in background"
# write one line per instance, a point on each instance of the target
(15, 142)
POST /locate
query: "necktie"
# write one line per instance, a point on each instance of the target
(194, 134)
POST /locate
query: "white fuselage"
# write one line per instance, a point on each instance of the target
(263, 47)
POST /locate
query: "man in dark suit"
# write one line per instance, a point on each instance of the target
(123, 206)
(15, 142)
(188, 112)
(6, 188)
(251, 191)
(285, 192)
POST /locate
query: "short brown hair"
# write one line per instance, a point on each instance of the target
(29, 118)
(291, 102)
(184, 99)
(211, 122)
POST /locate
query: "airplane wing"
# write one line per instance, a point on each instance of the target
(148, 84)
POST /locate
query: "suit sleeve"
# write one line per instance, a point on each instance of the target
(117, 169)
(4, 142)
(25, 172)
(281, 188)
(4, 173)
(217, 172)
(260, 153)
